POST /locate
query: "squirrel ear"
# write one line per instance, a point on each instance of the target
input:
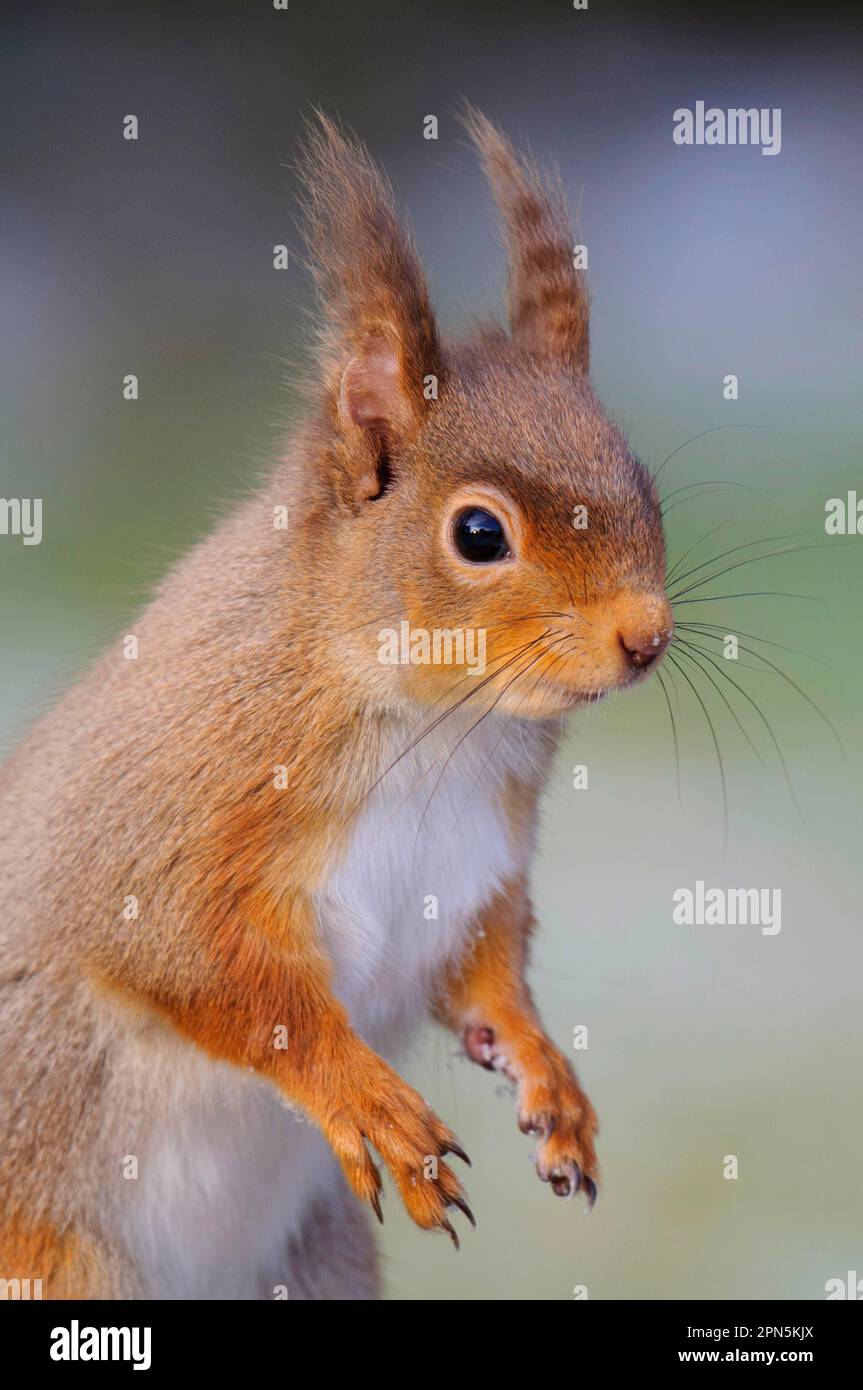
(379, 339)
(375, 406)
(549, 308)
(372, 392)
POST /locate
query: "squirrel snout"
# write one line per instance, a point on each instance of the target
(643, 645)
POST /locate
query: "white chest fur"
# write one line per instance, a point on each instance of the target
(428, 850)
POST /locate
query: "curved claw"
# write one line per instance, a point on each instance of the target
(463, 1207)
(445, 1226)
(454, 1147)
(375, 1201)
(590, 1194)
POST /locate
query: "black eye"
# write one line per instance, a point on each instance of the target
(479, 536)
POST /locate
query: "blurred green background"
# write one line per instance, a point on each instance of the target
(155, 258)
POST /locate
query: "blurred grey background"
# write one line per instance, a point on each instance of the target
(155, 257)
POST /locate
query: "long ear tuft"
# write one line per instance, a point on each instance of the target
(549, 308)
(379, 338)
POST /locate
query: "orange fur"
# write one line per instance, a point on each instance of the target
(65, 1264)
(487, 999)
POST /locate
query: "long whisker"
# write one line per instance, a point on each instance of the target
(532, 660)
(751, 560)
(738, 632)
(565, 650)
(462, 680)
(703, 435)
(802, 693)
(509, 622)
(430, 729)
(561, 656)
(474, 690)
(669, 575)
(687, 649)
(708, 482)
(753, 593)
(674, 738)
(482, 771)
(762, 716)
(468, 676)
(694, 497)
(747, 545)
(693, 632)
(720, 763)
(426, 771)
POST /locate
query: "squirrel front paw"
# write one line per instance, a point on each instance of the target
(551, 1105)
(412, 1142)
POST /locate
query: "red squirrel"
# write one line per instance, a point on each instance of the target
(217, 856)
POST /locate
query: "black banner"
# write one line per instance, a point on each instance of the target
(65, 1339)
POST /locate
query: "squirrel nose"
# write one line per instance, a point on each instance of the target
(644, 646)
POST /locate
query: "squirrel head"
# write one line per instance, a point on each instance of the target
(482, 524)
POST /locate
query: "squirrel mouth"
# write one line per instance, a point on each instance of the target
(568, 697)
(565, 696)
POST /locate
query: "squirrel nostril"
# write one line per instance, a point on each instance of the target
(642, 649)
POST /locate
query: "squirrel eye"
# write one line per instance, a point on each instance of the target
(479, 536)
